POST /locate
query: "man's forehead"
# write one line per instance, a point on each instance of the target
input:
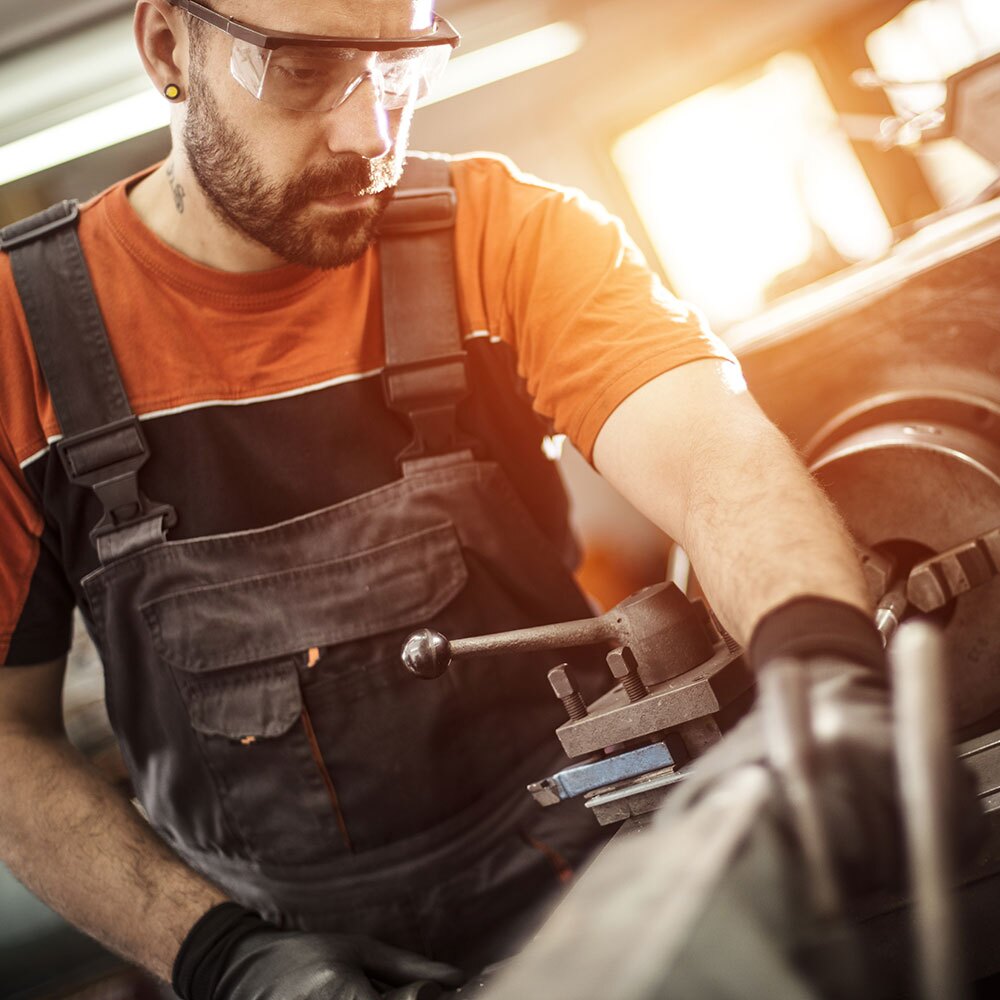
(349, 18)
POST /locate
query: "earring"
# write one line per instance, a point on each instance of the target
(172, 92)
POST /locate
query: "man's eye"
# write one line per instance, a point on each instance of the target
(299, 74)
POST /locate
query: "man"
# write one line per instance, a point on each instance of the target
(250, 618)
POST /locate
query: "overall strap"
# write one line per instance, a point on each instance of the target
(425, 374)
(103, 446)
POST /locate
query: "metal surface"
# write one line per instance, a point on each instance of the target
(924, 759)
(981, 756)
(582, 778)
(889, 612)
(942, 578)
(972, 107)
(625, 670)
(698, 691)
(867, 285)
(565, 689)
(930, 404)
(707, 690)
(930, 487)
(633, 801)
(886, 919)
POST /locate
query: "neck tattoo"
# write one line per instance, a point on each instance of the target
(176, 188)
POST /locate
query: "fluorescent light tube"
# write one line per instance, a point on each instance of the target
(107, 126)
(508, 58)
(146, 112)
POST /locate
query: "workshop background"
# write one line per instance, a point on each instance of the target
(735, 138)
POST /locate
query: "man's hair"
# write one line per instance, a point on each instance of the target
(196, 33)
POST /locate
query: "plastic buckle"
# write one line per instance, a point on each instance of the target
(115, 483)
(404, 392)
(435, 432)
(126, 505)
(87, 470)
(430, 403)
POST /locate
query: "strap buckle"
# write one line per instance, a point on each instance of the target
(108, 460)
(428, 393)
(37, 226)
(419, 210)
(125, 506)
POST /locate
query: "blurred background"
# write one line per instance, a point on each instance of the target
(743, 142)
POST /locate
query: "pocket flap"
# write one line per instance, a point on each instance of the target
(405, 582)
(262, 701)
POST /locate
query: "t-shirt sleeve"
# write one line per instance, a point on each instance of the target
(36, 602)
(589, 320)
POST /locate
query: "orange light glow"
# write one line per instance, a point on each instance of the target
(930, 40)
(748, 180)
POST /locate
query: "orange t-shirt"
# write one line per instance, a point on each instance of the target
(216, 363)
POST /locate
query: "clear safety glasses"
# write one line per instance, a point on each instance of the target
(319, 73)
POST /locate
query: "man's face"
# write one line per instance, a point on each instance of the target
(309, 186)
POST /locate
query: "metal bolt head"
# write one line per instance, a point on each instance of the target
(562, 683)
(622, 662)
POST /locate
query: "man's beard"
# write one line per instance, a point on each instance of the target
(277, 215)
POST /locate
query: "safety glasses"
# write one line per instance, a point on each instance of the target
(319, 73)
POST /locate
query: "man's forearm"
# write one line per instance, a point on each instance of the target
(82, 848)
(694, 453)
(759, 530)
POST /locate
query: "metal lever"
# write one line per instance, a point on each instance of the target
(924, 759)
(428, 654)
(664, 631)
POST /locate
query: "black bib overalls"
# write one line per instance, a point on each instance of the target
(254, 679)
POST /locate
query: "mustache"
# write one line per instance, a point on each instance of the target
(349, 174)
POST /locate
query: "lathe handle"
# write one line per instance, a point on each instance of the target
(428, 654)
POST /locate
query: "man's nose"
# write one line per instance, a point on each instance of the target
(361, 125)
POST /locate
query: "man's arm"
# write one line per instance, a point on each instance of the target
(80, 845)
(693, 452)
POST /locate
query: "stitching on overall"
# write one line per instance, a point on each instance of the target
(220, 543)
(449, 588)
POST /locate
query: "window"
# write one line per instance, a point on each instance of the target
(749, 189)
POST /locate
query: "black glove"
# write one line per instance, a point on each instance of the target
(853, 752)
(232, 954)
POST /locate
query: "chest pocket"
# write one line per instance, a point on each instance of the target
(243, 655)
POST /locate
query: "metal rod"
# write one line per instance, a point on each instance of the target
(580, 633)
(890, 611)
(923, 754)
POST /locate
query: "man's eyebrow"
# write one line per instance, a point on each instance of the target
(319, 53)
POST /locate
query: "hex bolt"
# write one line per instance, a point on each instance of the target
(567, 692)
(625, 670)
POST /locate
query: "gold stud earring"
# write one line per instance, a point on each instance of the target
(171, 92)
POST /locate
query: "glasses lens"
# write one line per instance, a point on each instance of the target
(319, 78)
(411, 73)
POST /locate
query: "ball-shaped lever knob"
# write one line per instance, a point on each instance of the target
(426, 654)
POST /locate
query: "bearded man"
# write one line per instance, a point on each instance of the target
(261, 429)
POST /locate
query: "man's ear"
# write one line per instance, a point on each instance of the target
(161, 36)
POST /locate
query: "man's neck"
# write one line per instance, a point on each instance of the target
(171, 203)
